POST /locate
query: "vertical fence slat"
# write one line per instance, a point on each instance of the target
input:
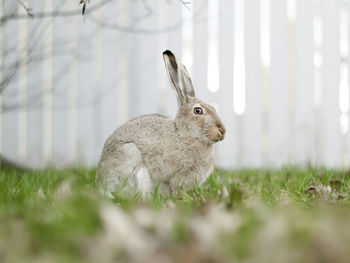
(200, 48)
(10, 92)
(133, 70)
(87, 100)
(61, 67)
(252, 125)
(22, 86)
(347, 135)
(47, 86)
(344, 82)
(109, 83)
(99, 94)
(72, 94)
(1, 78)
(34, 116)
(265, 57)
(291, 47)
(122, 62)
(279, 84)
(226, 150)
(304, 83)
(330, 130)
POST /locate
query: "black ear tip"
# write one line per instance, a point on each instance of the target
(168, 53)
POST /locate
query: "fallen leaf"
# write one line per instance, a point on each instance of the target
(311, 190)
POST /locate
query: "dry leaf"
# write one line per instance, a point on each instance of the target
(311, 190)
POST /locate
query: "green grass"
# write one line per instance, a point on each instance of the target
(287, 215)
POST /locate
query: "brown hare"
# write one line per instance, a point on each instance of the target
(155, 149)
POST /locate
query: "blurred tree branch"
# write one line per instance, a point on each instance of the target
(26, 8)
(56, 13)
(35, 54)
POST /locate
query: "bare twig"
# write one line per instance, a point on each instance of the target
(28, 9)
(132, 29)
(57, 13)
(186, 3)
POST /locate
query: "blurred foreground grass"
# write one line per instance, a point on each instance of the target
(287, 215)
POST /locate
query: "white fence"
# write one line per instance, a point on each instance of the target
(276, 69)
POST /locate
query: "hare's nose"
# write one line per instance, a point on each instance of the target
(222, 129)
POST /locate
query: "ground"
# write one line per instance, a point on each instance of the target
(286, 215)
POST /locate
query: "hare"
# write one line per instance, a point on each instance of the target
(155, 149)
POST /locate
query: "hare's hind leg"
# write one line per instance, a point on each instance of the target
(134, 169)
(124, 171)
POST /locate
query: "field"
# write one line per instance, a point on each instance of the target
(287, 215)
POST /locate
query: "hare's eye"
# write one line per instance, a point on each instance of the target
(198, 110)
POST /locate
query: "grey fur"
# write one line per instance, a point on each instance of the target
(168, 151)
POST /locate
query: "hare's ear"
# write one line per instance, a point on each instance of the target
(187, 82)
(174, 75)
(179, 77)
